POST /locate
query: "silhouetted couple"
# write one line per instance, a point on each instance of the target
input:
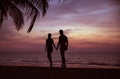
(63, 43)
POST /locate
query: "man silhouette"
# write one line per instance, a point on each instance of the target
(63, 43)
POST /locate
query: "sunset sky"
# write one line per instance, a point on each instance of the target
(90, 25)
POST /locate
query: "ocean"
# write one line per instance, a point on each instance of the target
(75, 60)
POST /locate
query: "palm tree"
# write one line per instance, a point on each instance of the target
(17, 8)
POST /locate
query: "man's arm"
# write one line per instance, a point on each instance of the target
(67, 42)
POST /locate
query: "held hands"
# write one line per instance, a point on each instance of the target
(56, 48)
(45, 49)
(67, 48)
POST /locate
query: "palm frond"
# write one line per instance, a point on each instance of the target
(32, 23)
(17, 16)
(43, 6)
(31, 5)
(59, 1)
(33, 9)
(3, 11)
(1, 18)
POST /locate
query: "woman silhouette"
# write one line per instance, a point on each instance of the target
(49, 48)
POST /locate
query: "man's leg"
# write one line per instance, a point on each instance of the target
(63, 59)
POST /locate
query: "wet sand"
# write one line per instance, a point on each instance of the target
(24, 72)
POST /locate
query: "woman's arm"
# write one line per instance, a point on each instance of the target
(54, 44)
(46, 46)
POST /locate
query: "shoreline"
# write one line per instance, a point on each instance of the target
(68, 65)
(30, 72)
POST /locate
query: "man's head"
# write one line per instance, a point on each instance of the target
(61, 32)
(49, 35)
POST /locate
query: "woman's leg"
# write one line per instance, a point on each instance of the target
(50, 59)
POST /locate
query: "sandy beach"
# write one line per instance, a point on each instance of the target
(24, 72)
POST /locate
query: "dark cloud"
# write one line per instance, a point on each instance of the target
(21, 46)
(39, 38)
(8, 34)
(94, 43)
(67, 31)
(115, 36)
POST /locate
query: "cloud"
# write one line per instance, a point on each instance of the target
(93, 43)
(39, 38)
(74, 13)
(84, 11)
(115, 36)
